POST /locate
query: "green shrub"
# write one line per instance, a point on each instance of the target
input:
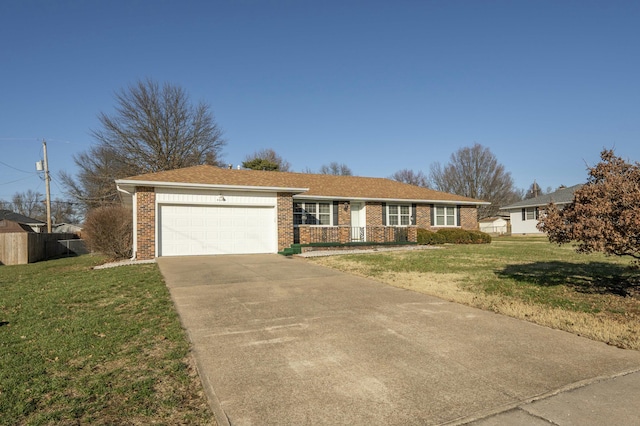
(426, 237)
(452, 236)
(480, 237)
(455, 235)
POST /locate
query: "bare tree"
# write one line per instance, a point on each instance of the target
(153, 128)
(94, 185)
(475, 172)
(30, 204)
(64, 212)
(266, 159)
(412, 178)
(335, 168)
(605, 213)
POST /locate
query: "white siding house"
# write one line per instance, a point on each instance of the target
(525, 215)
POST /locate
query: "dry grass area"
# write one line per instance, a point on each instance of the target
(526, 278)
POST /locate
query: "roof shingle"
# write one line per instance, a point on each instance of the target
(561, 196)
(316, 185)
(18, 218)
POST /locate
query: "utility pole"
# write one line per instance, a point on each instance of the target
(47, 180)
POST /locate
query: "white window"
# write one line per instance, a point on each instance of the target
(446, 216)
(530, 213)
(399, 215)
(312, 213)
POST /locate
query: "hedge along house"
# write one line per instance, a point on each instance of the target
(205, 210)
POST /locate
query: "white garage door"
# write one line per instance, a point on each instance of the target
(200, 230)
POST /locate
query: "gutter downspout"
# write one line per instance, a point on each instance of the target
(134, 251)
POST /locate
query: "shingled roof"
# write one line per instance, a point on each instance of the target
(18, 218)
(561, 196)
(303, 184)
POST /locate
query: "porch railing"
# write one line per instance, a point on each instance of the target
(346, 234)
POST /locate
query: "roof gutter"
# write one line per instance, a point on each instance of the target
(524, 206)
(393, 200)
(133, 183)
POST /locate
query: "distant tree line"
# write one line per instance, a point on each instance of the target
(32, 204)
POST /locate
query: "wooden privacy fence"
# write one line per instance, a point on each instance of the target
(20, 248)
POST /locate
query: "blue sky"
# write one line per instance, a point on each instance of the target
(377, 85)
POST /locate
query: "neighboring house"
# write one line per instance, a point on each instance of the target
(525, 215)
(14, 222)
(494, 225)
(66, 228)
(209, 210)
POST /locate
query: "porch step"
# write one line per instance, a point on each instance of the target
(289, 251)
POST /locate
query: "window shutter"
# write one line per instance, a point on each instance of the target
(537, 213)
(524, 214)
(458, 223)
(414, 208)
(433, 214)
(384, 214)
(336, 206)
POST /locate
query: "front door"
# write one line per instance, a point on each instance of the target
(358, 222)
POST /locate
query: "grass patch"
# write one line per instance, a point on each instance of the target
(84, 346)
(524, 277)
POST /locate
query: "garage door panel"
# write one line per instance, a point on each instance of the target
(201, 230)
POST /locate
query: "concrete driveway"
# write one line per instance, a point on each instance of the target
(282, 341)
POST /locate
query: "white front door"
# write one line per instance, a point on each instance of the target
(358, 222)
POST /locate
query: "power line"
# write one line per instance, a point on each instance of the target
(17, 180)
(11, 167)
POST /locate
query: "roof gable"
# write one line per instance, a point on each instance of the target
(304, 184)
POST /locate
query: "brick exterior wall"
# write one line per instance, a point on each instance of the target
(469, 218)
(423, 216)
(344, 220)
(146, 226)
(285, 220)
(344, 215)
(412, 234)
(374, 214)
(305, 234)
(374, 219)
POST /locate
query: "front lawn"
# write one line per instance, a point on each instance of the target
(525, 277)
(84, 346)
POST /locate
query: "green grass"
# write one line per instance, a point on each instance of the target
(532, 269)
(525, 271)
(81, 346)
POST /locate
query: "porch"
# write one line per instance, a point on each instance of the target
(309, 234)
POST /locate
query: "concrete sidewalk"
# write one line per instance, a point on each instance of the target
(282, 341)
